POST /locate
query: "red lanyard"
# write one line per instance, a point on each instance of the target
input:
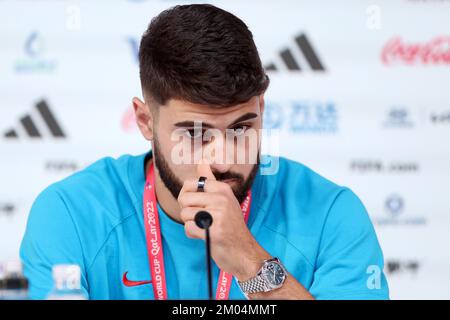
(154, 242)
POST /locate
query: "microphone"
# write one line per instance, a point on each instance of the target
(204, 220)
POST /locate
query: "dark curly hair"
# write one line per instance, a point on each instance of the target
(201, 54)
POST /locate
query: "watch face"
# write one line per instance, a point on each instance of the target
(274, 274)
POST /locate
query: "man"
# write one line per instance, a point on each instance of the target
(129, 223)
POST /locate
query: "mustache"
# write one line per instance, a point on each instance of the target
(220, 176)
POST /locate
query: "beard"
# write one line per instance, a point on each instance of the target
(174, 185)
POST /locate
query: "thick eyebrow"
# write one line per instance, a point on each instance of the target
(247, 116)
(191, 124)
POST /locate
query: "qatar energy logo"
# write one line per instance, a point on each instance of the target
(35, 58)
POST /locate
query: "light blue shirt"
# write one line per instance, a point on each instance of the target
(320, 231)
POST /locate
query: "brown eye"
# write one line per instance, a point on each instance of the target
(240, 130)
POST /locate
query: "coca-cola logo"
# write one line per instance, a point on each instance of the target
(434, 52)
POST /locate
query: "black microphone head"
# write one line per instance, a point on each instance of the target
(203, 219)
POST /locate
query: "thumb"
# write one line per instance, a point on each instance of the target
(204, 170)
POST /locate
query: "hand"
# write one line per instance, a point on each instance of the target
(233, 247)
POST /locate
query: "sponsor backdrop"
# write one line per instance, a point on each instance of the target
(359, 91)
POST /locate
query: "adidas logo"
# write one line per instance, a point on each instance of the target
(29, 127)
(290, 58)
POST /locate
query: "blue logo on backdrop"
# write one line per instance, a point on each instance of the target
(34, 45)
(396, 213)
(134, 46)
(34, 60)
(316, 117)
(394, 205)
(398, 117)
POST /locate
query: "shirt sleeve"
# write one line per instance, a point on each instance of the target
(350, 261)
(50, 238)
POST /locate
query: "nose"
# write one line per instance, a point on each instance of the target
(220, 167)
(219, 159)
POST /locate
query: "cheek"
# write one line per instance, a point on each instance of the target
(185, 172)
(251, 150)
(240, 151)
(165, 143)
(179, 149)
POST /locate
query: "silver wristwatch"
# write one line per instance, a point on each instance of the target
(271, 276)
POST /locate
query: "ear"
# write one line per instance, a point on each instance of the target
(144, 118)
